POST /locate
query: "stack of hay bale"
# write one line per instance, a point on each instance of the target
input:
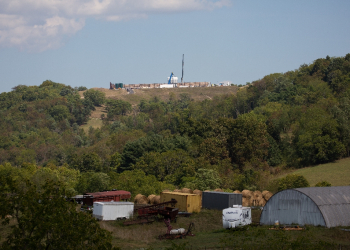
(197, 192)
(186, 191)
(141, 199)
(154, 199)
(255, 198)
(266, 194)
(246, 198)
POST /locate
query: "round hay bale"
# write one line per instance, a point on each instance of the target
(198, 192)
(264, 192)
(150, 198)
(178, 190)
(207, 191)
(247, 193)
(237, 192)
(267, 195)
(261, 202)
(218, 190)
(245, 202)
(141, 199)
(253, 202)
(156, 199)
(166, 190)
(186, 191)
(137, 197)
(257, 195)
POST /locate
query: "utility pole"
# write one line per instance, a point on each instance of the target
(183, 62)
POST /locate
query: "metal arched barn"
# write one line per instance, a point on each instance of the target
(318, 206)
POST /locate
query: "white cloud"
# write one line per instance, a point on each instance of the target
(38, 25)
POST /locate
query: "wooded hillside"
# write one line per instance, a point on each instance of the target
(231, 141)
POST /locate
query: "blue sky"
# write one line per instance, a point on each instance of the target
(93, 42)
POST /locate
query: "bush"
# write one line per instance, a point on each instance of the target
(323, 184)
(292, 181)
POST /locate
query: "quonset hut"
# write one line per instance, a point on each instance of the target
(318, 206)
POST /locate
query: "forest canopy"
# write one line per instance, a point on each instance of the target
(233, 141)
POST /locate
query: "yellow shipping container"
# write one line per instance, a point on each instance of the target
(185, 202)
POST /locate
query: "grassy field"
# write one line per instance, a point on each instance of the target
(337, 173)
(197, 94)
(209, 234)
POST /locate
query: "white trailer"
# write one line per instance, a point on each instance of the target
(236, 216)
(113, 210)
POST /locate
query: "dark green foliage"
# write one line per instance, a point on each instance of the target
(137, 182)
(90, 182)
(45, 220)
(170, 166)
(157, 143)
(96, 97)
(317, 138)
(248, 140)
(87, 162)
(292, 181)
(323, 184)
(205, 179)
(117, 107)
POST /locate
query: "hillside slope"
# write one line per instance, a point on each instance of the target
(197, 94)
(337, 173)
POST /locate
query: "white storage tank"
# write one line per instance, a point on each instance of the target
(236, 216)
(113, 210)
(173, 79)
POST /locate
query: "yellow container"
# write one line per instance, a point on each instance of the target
(185, 202)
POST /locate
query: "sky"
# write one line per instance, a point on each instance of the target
(94, 42)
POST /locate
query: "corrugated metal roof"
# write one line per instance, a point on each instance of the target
(108, 193)
(324, 206)
(114, 203)
(333, 202)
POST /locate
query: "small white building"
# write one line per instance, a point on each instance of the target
(166, 86)
(113, 210)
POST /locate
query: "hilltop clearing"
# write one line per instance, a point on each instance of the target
(197, 94)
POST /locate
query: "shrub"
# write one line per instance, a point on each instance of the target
(292, 181)
(323, 184)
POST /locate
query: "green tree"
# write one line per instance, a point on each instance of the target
(205, 179)
(316, 138)
(90, 182)
(248, 140)
(87, 162)
(117, 107)
(292, 181)
(170, 166)
(96, 97)
(137, 182)
(45, 220)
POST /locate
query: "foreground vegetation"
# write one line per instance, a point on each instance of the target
(195, 138)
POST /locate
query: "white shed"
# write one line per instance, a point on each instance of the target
(113, 210)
